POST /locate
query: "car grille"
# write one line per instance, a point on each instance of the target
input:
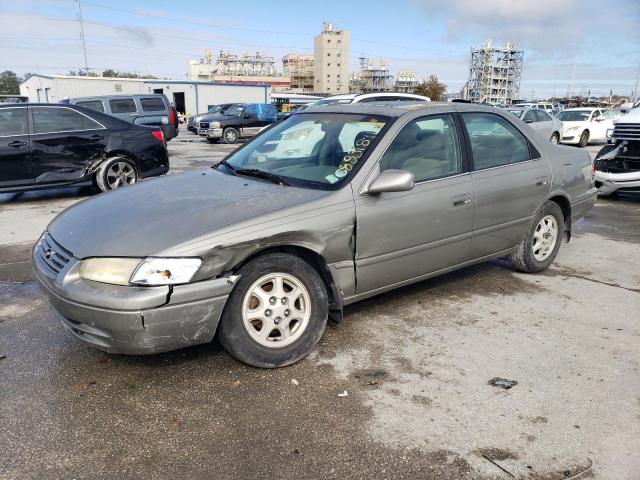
(626, 131)
(53, 257)
(204, 124)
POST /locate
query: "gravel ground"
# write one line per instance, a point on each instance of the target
(415, 364)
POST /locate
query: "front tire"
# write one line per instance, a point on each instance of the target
(584, 139)
(276, 313)
(541, 243)
(555, 138)
(230, 135)
(114, 173)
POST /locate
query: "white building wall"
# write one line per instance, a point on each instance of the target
(197, 96)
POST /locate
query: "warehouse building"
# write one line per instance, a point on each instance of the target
(189, 97)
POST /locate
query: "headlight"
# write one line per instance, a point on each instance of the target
(214, 125)
(572, 129)
(116, 271)
(149, 271)
(165, 271)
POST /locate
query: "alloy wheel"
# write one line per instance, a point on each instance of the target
(545, 237)
(276, 310)
(119, 174)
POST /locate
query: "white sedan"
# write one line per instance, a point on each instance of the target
(583, 125)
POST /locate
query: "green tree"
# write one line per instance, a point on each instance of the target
(9, 83)
(432, 88)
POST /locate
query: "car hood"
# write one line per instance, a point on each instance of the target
(155, 215)
(573, 124)
(212, 117)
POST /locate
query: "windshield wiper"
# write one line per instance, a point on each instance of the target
(226, 165)
(254, 172)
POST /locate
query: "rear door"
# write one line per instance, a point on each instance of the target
(63, 143)
(15, 159)
(510, 179)
(544, 123)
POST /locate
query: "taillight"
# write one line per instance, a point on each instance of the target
(172, 116)
(158, 135)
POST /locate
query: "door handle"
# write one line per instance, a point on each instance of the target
(542, 181)
(17, 144)
(96, 137)
(461, 200)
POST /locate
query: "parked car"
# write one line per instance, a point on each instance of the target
(547, 107)
(617, 165)
(50, 145)
(270, 246)
(583, 125)
(192, 124)
(13, 99)
(151, 110)
(540, 120)
(347, 98)
(239, 121)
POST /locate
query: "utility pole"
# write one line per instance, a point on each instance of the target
(84, 45)
(635, 91)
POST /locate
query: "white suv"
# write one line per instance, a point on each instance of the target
(371, 97)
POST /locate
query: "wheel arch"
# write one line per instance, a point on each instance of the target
(562, 200)
(318, 263)
(116, 153)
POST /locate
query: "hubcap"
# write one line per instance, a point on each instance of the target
(554, 139)
(276, 310)
(120, 173)
(231, 136)
(545, 237)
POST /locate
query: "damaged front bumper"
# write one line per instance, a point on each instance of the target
(134, 320)
(608, 183)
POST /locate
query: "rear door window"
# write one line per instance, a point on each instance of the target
(54, 120)
(152, 104)
(12, 121)
(93, 105)
(122, 105)
(542, 116)
(494, 141)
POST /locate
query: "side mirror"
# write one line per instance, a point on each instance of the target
(392, 181)
(528, 120)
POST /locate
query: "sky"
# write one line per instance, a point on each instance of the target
(602, 38)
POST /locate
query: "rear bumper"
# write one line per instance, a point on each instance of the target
(580, 209)
(130, 320)
(608, 183)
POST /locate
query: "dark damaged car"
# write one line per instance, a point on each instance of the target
(330, 206)
(46, 145)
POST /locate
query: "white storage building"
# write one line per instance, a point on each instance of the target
(190, 97)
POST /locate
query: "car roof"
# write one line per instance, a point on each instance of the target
(397, 109)
(589, 109)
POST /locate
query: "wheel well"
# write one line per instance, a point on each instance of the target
(117, 153)
(319, 264)
(565, 206)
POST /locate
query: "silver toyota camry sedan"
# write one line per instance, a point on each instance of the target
(330, 206)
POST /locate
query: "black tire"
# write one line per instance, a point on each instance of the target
(523, 259)
(555, 138)
(100, 177)
(235, 338)
(230, 135)
(584, 139)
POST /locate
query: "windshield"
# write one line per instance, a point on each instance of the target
(574, 115)
(234, 110)
(517, 112)
(332, 101)
(315, 150)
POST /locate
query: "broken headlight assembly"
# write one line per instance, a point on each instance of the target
(137, 271)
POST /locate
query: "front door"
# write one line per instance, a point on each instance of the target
(63, 143)
(510, 181)
(405, 235)
(250, 123)
(15, 160)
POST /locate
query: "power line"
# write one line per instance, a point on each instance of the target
(84, 46)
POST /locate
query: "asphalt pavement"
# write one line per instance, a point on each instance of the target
(399, 390)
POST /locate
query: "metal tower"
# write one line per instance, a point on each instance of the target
(495, 74)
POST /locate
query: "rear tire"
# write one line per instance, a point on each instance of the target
(114, 173)
(269, 326)
(230, 135)
(541, 243)
(584, 139)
